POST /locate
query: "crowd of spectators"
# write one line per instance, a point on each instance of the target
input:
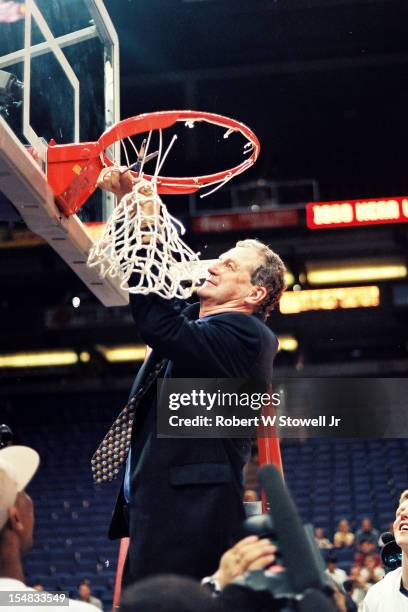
(362, 567)
(18, 465)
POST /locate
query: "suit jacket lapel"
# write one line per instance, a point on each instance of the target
(144, 371)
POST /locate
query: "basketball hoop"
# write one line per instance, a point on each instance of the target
(141, 243)
(73, 169)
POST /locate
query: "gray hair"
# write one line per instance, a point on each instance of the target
(269, 274)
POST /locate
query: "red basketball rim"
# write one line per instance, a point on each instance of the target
(73, 169)
(165, 119)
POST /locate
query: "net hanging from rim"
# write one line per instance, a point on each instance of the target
(145, 251)
(141, 243)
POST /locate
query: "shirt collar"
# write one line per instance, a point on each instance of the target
(192, 312)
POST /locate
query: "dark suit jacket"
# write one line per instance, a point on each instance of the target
(186, 494)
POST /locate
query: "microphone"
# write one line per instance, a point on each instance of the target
(299, 560)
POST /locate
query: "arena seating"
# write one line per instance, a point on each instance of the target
(352, 479)
(72, 515)
(329, 479)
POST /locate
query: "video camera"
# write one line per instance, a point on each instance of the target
(391, 553)
(297, 580)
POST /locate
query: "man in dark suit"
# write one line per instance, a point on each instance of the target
(181, 500)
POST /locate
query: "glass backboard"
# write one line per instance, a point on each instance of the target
(59, 80)
(60, 74)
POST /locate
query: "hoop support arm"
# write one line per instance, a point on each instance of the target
(72, 172)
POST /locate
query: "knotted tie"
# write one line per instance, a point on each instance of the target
(113, 450)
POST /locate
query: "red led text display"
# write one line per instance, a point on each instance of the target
(320, 215)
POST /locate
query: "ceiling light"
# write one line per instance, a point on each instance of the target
(289, 278)
(360, 271)
(114, 354)
(288, 343)
(38, 359)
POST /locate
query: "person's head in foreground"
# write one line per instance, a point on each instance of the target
(391, 593)
(18, 465)
(176, 594)
(249, 278)
(167, 593)
(400, 527)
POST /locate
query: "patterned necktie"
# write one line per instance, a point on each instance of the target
(113, 450)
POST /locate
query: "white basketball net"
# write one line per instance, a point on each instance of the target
(145, 250)
(141, 241)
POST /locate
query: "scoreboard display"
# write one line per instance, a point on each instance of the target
(321, 215)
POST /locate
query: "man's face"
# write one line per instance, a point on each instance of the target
(367, 547)
(370, 562)
(229, 278)
(84, 592)
(366, 524)
(400, 526)
(355, 572)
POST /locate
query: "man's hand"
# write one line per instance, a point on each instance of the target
(248, 554)
(116, 181)
(120, 183)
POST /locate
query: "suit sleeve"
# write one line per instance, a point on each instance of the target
(232, 340)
